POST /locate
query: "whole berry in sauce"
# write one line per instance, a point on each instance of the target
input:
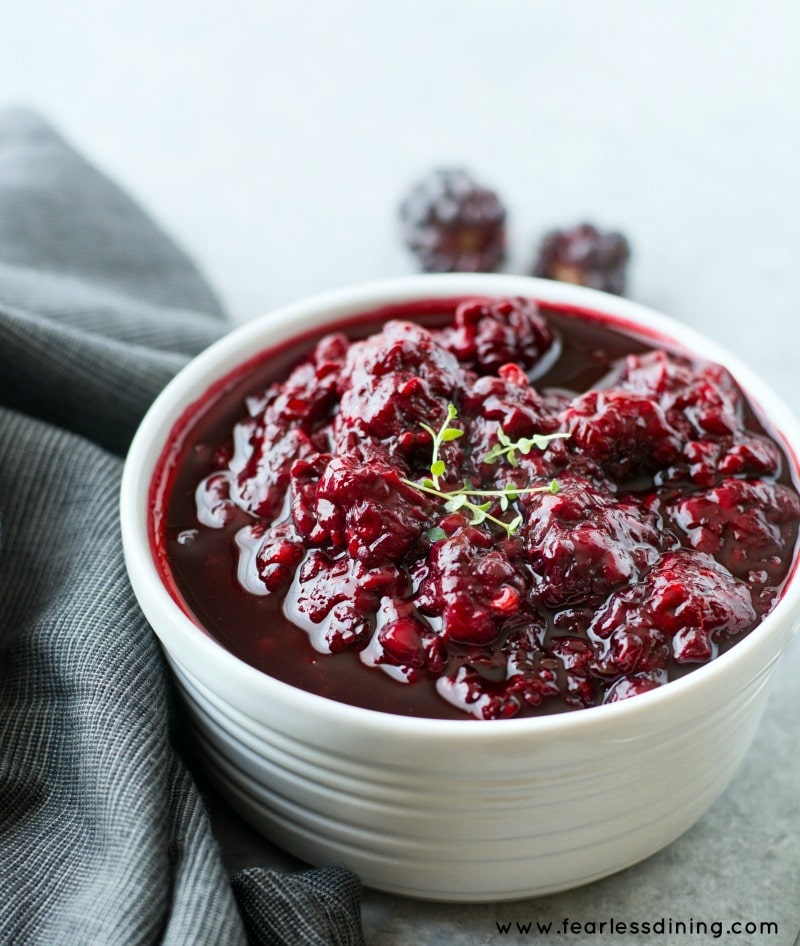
(489, 334)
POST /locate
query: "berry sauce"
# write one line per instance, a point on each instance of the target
(615, 511)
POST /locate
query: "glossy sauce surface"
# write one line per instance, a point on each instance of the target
(556, 606)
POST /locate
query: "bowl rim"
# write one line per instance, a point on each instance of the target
(239, 345)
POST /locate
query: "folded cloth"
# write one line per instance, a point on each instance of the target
(104, 838)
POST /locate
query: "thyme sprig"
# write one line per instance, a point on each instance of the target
(445, 434)
(508, 448)
(462, 498)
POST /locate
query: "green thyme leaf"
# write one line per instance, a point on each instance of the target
(508, 447)
(436, 534)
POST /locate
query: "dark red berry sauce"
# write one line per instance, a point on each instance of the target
(289, 522)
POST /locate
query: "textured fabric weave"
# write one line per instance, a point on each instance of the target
(317, 908)
(103, 836)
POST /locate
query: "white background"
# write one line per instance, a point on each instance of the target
(274, 139)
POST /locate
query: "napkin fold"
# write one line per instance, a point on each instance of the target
(104, 838)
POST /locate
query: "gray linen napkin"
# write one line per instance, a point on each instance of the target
(103, 836)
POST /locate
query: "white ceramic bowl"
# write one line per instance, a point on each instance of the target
(443, 809)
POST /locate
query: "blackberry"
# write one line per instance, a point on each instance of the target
(685, 605)
(622, 431)
(488, 335)
(471, 589)
(453, 224)
(584, 541)
(586, 256)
